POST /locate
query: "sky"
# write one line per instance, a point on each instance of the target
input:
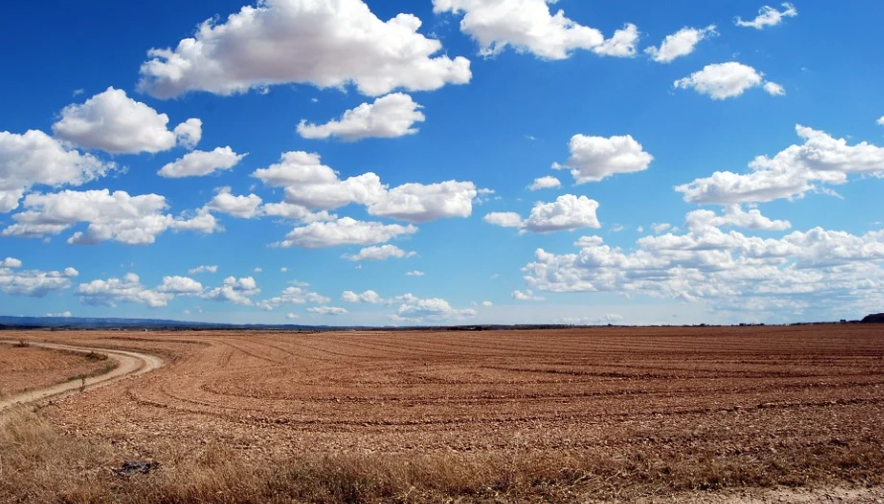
(371, 162)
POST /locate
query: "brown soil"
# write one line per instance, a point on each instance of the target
(30, 368)
(612, 413)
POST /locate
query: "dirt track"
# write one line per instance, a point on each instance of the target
(128, 364)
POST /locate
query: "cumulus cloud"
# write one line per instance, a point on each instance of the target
(327, 310)
(344, 231)
(881, 121)
(730, 269)
(313, 186)
(426, 202)
(368, 297)
(596, 158)
(774, 89)
(415, 309)
(293, 295)
(126, 290)
(680, 43)
(235, 290)
(530, 26)
(180, 285)
(327, 44)
(117, 216)
(113, 122)
(379, 253)
(528, 295)
(35, 158)
(203, 269)
(32, 283)
(768, 16)
(727, 80)
(548, 182)
(244, 207)
(201, 163)
(567, 213)
(189, 133)
(790, 174)
(390, 116)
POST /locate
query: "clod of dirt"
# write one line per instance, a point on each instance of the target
(129, 467)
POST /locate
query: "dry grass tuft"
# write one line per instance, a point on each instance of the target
(43, 465)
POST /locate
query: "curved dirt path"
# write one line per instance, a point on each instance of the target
(128, 364)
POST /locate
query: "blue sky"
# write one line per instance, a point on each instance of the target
(459, 161)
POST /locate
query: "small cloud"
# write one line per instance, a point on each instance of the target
(292, 316)
(283, 269)
(78, 92)
(640, 229)
(617, 228)
(66, 314)
(660, 228)
(258, 270)
(416, 273)
(531, 137)
(528, 295)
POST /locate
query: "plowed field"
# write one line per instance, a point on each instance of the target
(652, 408)
(30, 368)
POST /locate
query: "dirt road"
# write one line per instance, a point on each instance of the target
(128, 364)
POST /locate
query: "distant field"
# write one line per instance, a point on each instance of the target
(430, 415)
(28, 368)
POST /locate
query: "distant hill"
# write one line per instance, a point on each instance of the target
(877, 318)
(111, 323)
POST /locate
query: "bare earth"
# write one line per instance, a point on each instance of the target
(107, 366)
(34, 367)
(645, 413)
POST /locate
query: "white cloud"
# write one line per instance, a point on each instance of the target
(680, 43)
(117, 216)
(487, 303)
(258, 270)
(379, 253)
(244, 207)
(200, 163)
(660, 228)
(567, 213)
(528, 295)
(327, 44)
(128, 290)
(530, 26)
(422, 203)
(390, 116)
(768, 16)
(292, 316)
(790, 174)
(327, 310)
(283, 270)
(35, 158)
(293, 295)
(732, 270)
(113, 122)
(32, 283)
(369, 297)
(203, 269)
(344, 231)
(727, 80)
(595, 158)
(311, 185)
(66, 314)
(548, 182)
(415, 273)
(237, 291)
(189, 133)
(415, 309)
(774, 89)
(180, 285)
(881, 121)
(735, 216)
(504, 219)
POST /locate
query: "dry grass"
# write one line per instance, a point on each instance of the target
(40, 464)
